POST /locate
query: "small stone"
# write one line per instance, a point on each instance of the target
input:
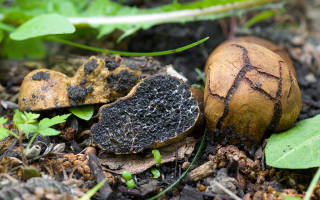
(185, 165)
(201, 188)
(311, 78)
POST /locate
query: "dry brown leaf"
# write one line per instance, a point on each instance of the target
(138, 163)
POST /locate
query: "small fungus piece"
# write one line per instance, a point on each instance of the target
(251, 89)
(156, 112)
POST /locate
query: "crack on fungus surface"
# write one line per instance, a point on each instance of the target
(277, 109)
(259, 90)
(245, 68)
(241, 76)
(291, 83)
(162, 108)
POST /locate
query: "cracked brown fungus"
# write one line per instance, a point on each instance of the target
(251, 89)
(94, 82)
(156, 112)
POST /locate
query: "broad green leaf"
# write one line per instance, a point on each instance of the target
(43, 25)
(155, 172)
(83, 112)
(3, 133)
(49, 132)
(46, 122)
(297, 148)
(32, 48)
(93, 190)
(3, 120)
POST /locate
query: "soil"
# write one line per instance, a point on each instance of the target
(239, 168)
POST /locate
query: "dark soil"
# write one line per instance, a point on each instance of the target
(241, 166)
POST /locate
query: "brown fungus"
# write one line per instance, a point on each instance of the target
(156, 112)
(94, 82)
(251, 89)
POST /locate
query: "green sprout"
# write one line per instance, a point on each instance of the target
(155, 172)
(27, 123)
(93, 190)
(126, 175)
(130, 184)
(157, 156)
(129, 181)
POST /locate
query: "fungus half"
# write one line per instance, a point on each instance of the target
(251, 89)
(96, 81)
(157, 111)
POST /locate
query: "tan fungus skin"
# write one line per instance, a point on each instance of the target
(256, 40)
(251, 89)
(45, 89)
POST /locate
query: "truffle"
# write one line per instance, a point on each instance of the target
(251, 89)
(93, 83)
(156, 112)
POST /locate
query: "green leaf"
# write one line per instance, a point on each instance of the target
(31, 117)
(6, 27)
(42, 25)
(46, 122)
(126, 175)
(93, 190)
(32, 48)
(259, 17)
(297, 148)
(3, 120)
(157, 156)
(130, 184)
(17, 117)
(286, 197)
(83, 112)
(1, 35)
(49, 132)
(27, 128)
(3, 133)
(155, 172)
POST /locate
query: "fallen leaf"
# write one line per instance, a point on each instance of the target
(137, 163)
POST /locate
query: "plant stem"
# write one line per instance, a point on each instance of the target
(313, 183)
(186, 172)
(123, 53)
(31, 141)
(13, 134)
(24, 160)
(170, 16)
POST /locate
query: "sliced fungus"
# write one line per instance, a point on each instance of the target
(157, 112)
(98, 80)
